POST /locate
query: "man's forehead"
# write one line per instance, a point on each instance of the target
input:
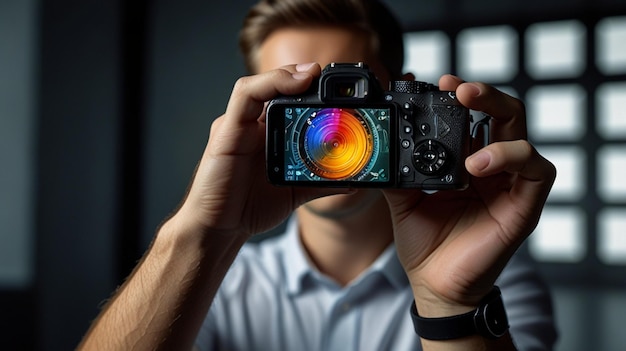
(311, 44)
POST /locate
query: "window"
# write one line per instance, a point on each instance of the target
(611, 52)
(555, 50)
(427, 55)
(488, 54)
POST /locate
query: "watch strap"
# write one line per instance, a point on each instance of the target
(443, 328)
(466, 324)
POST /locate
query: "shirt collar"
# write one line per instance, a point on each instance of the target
(295, 261)
(389, 266)
(298, 268)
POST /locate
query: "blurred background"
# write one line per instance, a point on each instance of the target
(105, 108)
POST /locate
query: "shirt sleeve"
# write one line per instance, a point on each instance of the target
(215, 333)
(528, 303)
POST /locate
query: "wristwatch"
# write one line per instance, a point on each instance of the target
(488, 320)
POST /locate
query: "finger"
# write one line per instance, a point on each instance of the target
(509, 113)
(448, 82)
(250, 93)
(535, 174)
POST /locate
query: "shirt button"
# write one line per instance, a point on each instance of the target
(345, 306)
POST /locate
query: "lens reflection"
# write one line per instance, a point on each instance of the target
(337, 143)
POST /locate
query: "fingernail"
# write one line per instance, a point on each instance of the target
(300, 75)
(303, 67)
(474, 89)
(480, 160)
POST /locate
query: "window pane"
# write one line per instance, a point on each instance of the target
(612, 236)
(556, 112)
(610, 48)
(427, 55)
(571, 165)
(612, 173)
(488, 54)
(555, 49)
(559, 236)
(611, 110)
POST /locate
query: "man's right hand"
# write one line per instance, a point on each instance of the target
(230, 192)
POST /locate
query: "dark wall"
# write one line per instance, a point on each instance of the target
(192, 67)
(17, 147)
(78, 136)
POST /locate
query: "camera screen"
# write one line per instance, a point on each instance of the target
(337, 144)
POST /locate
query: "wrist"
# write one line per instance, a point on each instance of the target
(193, 217)
(183, 232)
(488, 320)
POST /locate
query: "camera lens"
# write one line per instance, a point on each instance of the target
(336, 143)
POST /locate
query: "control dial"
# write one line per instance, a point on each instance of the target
(429, 156)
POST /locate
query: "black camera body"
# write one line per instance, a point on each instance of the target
(346, 131)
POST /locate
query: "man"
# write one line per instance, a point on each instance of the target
(334, 280)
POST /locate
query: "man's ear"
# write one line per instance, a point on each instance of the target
(408, 76)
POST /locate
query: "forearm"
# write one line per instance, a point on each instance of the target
(164, 301)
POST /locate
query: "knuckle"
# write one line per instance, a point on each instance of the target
(217, 123)
(517, 104)
(241, 85)
(526, 148)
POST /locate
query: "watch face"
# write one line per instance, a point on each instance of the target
(494, 318)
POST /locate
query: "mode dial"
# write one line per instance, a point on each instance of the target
(411, 86)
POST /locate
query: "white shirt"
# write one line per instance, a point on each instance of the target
(273, 298)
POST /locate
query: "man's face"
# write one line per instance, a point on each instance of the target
(324, 45)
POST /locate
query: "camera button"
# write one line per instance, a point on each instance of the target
(408, 129)
(406, 169)
(406, 144)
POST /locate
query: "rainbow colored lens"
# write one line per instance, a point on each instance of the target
(337, 143)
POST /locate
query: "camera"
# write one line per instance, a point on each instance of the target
(346, 131)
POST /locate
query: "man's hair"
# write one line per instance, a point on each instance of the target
(368, 16)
